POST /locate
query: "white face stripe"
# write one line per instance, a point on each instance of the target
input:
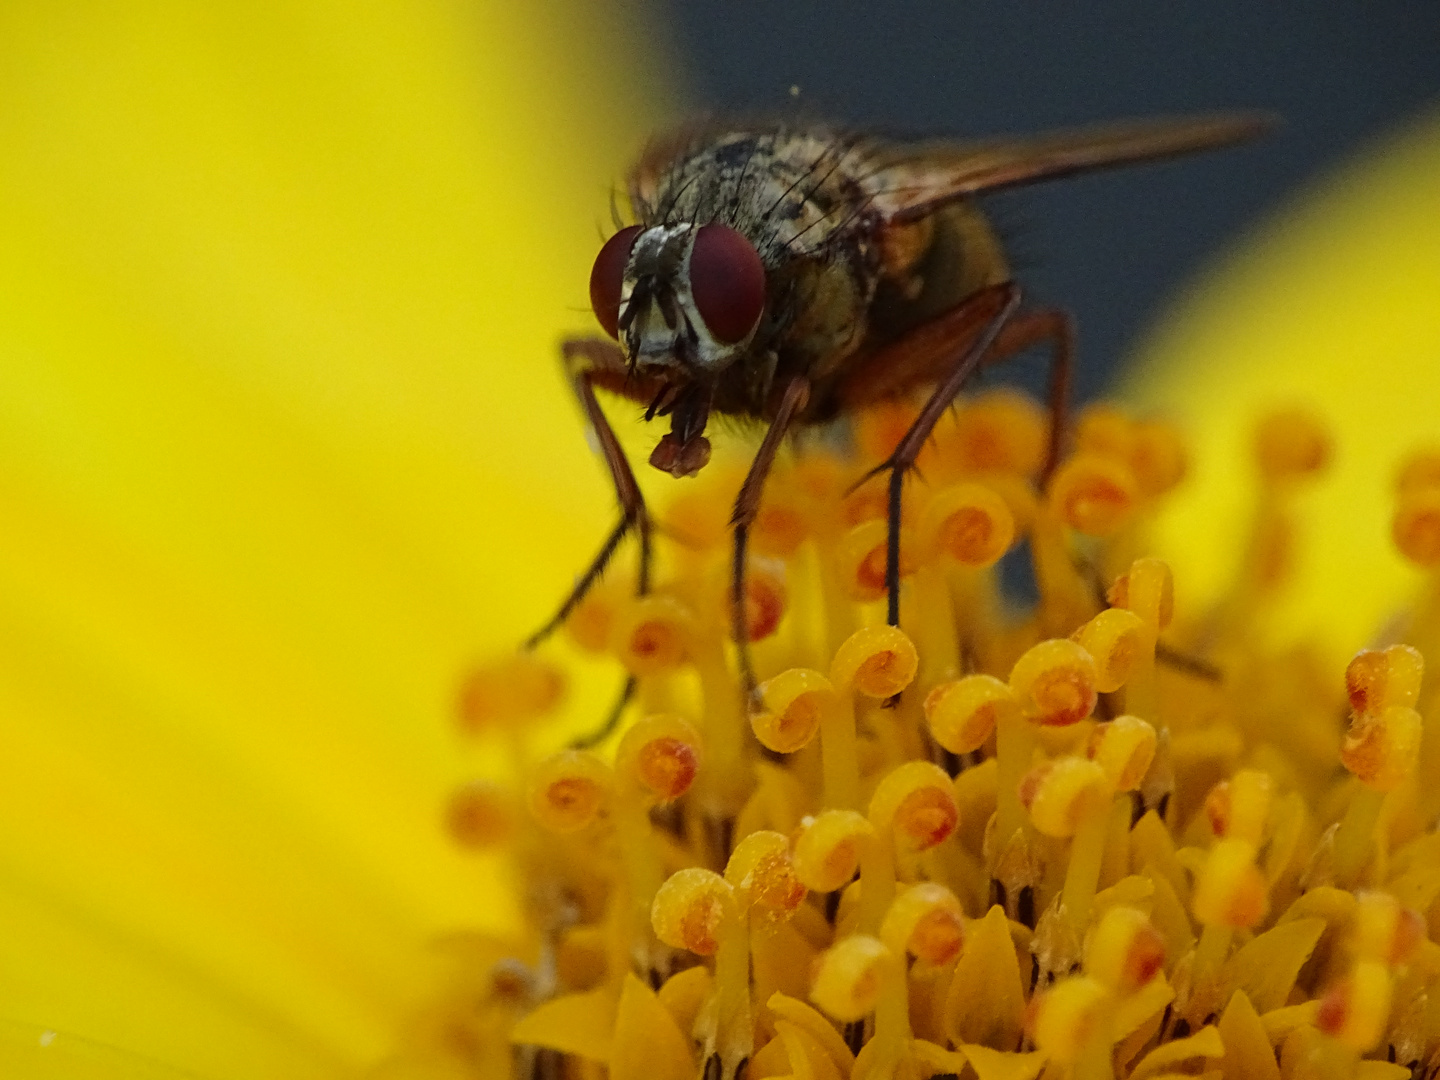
(655, 343)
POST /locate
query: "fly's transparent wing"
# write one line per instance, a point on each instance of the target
(914, 180)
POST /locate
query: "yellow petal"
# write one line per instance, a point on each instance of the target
(1381, 1070)
(986, 1003)
(1279, 1023)
(684, 993)
(648, 1045)
(42, 1054)
(1248, 1053)
(1145, 1004)
(809, 1060)
(935, 1060)
(804, 1016)
(770, 1060)
(1003, 1065)
(1205, 1043)
(581, 1024)
(1265, 968)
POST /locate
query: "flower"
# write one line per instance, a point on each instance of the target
(1103, 834)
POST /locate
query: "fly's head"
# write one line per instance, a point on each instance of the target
(684, 302)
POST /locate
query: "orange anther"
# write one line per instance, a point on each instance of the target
(968, 522)
(1093, 494)
(1055, 682)
(795, 703)
(1290, 444)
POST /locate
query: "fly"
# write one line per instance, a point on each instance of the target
(792, 275)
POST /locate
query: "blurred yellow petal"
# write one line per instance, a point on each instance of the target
(1333, 306)
(279, 420)
(582, 1024)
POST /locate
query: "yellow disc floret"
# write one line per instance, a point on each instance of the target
(827, 852)
(793, 705)
(659, 756)
(1055, 682)
(849, 977)
(916, 802)
(963, 713)
(877, 661)
(969, 523)
(689, 909)
(568, 790)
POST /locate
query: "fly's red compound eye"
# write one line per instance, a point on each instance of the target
(607, 278)
(727, 280)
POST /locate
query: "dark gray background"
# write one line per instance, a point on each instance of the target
(1110, 247)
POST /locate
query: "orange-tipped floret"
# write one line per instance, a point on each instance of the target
(1063, 793)
(1124, 951)
(782, 523)
(1157, 458)
(876, 661)
(1381, 748)
(1291, 444)
(916, 803)
(1055, 682)
(568, 790)
(479, 816)
(1416, 526)
(1378, 678)
(1064, 1019)
(925, 920)
(762, 873)
(659, 756)
(1114, 639)
(849, 976)
(1419, 470)
(690, 908)
(1385, 931)
(509, 692)
(997, 432)
(1123, 748)
(827, 853)
(963, 713)
(1355, 1010)
(1147, 589)
(794, 704)
(650, 634)
(765, 599)
(1229, 890)
(1093, 494)
(861, 555)
(1240, 807)
(969, 523)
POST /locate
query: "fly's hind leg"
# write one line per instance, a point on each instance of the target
(1055, 327)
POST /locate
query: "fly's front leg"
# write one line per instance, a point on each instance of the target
(966, 349)
(588, 360)
(747, 505)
